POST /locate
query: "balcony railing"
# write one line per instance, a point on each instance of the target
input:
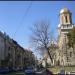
(67, 27)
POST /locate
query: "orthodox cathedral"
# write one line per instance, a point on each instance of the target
(64, 55)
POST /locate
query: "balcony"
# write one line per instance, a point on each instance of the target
(66, 26)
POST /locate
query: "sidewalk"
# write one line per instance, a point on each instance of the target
(54, 71)
(48, 72)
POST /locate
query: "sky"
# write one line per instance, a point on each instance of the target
(16, 17)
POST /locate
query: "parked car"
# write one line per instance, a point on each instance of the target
(39, 72)
(30, 70)
(4, 70)
(11, 69)
(62, 71)
(73, 72)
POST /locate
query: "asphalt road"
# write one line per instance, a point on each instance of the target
(45, 72)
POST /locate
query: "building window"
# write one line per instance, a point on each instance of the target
(70, 54)
(9, 55)
(67, 59)
(9, 48)
(66, 19)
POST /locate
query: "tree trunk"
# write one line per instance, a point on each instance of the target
(49, 55)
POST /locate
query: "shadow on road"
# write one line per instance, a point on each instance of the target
(46, 72)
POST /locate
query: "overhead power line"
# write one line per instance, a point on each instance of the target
(21, 22)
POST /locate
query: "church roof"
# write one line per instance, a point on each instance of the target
(64, 10)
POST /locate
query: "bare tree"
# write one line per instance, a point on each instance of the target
(41, 37)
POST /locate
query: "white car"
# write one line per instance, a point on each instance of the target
(62, 71)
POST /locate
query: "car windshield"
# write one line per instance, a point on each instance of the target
(30, 68)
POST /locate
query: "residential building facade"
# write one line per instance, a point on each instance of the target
(12, 54)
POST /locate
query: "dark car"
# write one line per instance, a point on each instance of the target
(4, 70)
(11, 69)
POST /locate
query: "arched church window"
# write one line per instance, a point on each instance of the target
(70, 54)
(66, 19)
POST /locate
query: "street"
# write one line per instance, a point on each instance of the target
(45, 72)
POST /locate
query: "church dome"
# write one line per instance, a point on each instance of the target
(64, 10)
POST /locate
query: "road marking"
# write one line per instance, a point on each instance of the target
(20, 73)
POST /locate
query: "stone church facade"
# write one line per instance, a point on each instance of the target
(63, 55)
(66, 55)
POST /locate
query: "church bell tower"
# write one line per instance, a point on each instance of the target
(64, 26)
